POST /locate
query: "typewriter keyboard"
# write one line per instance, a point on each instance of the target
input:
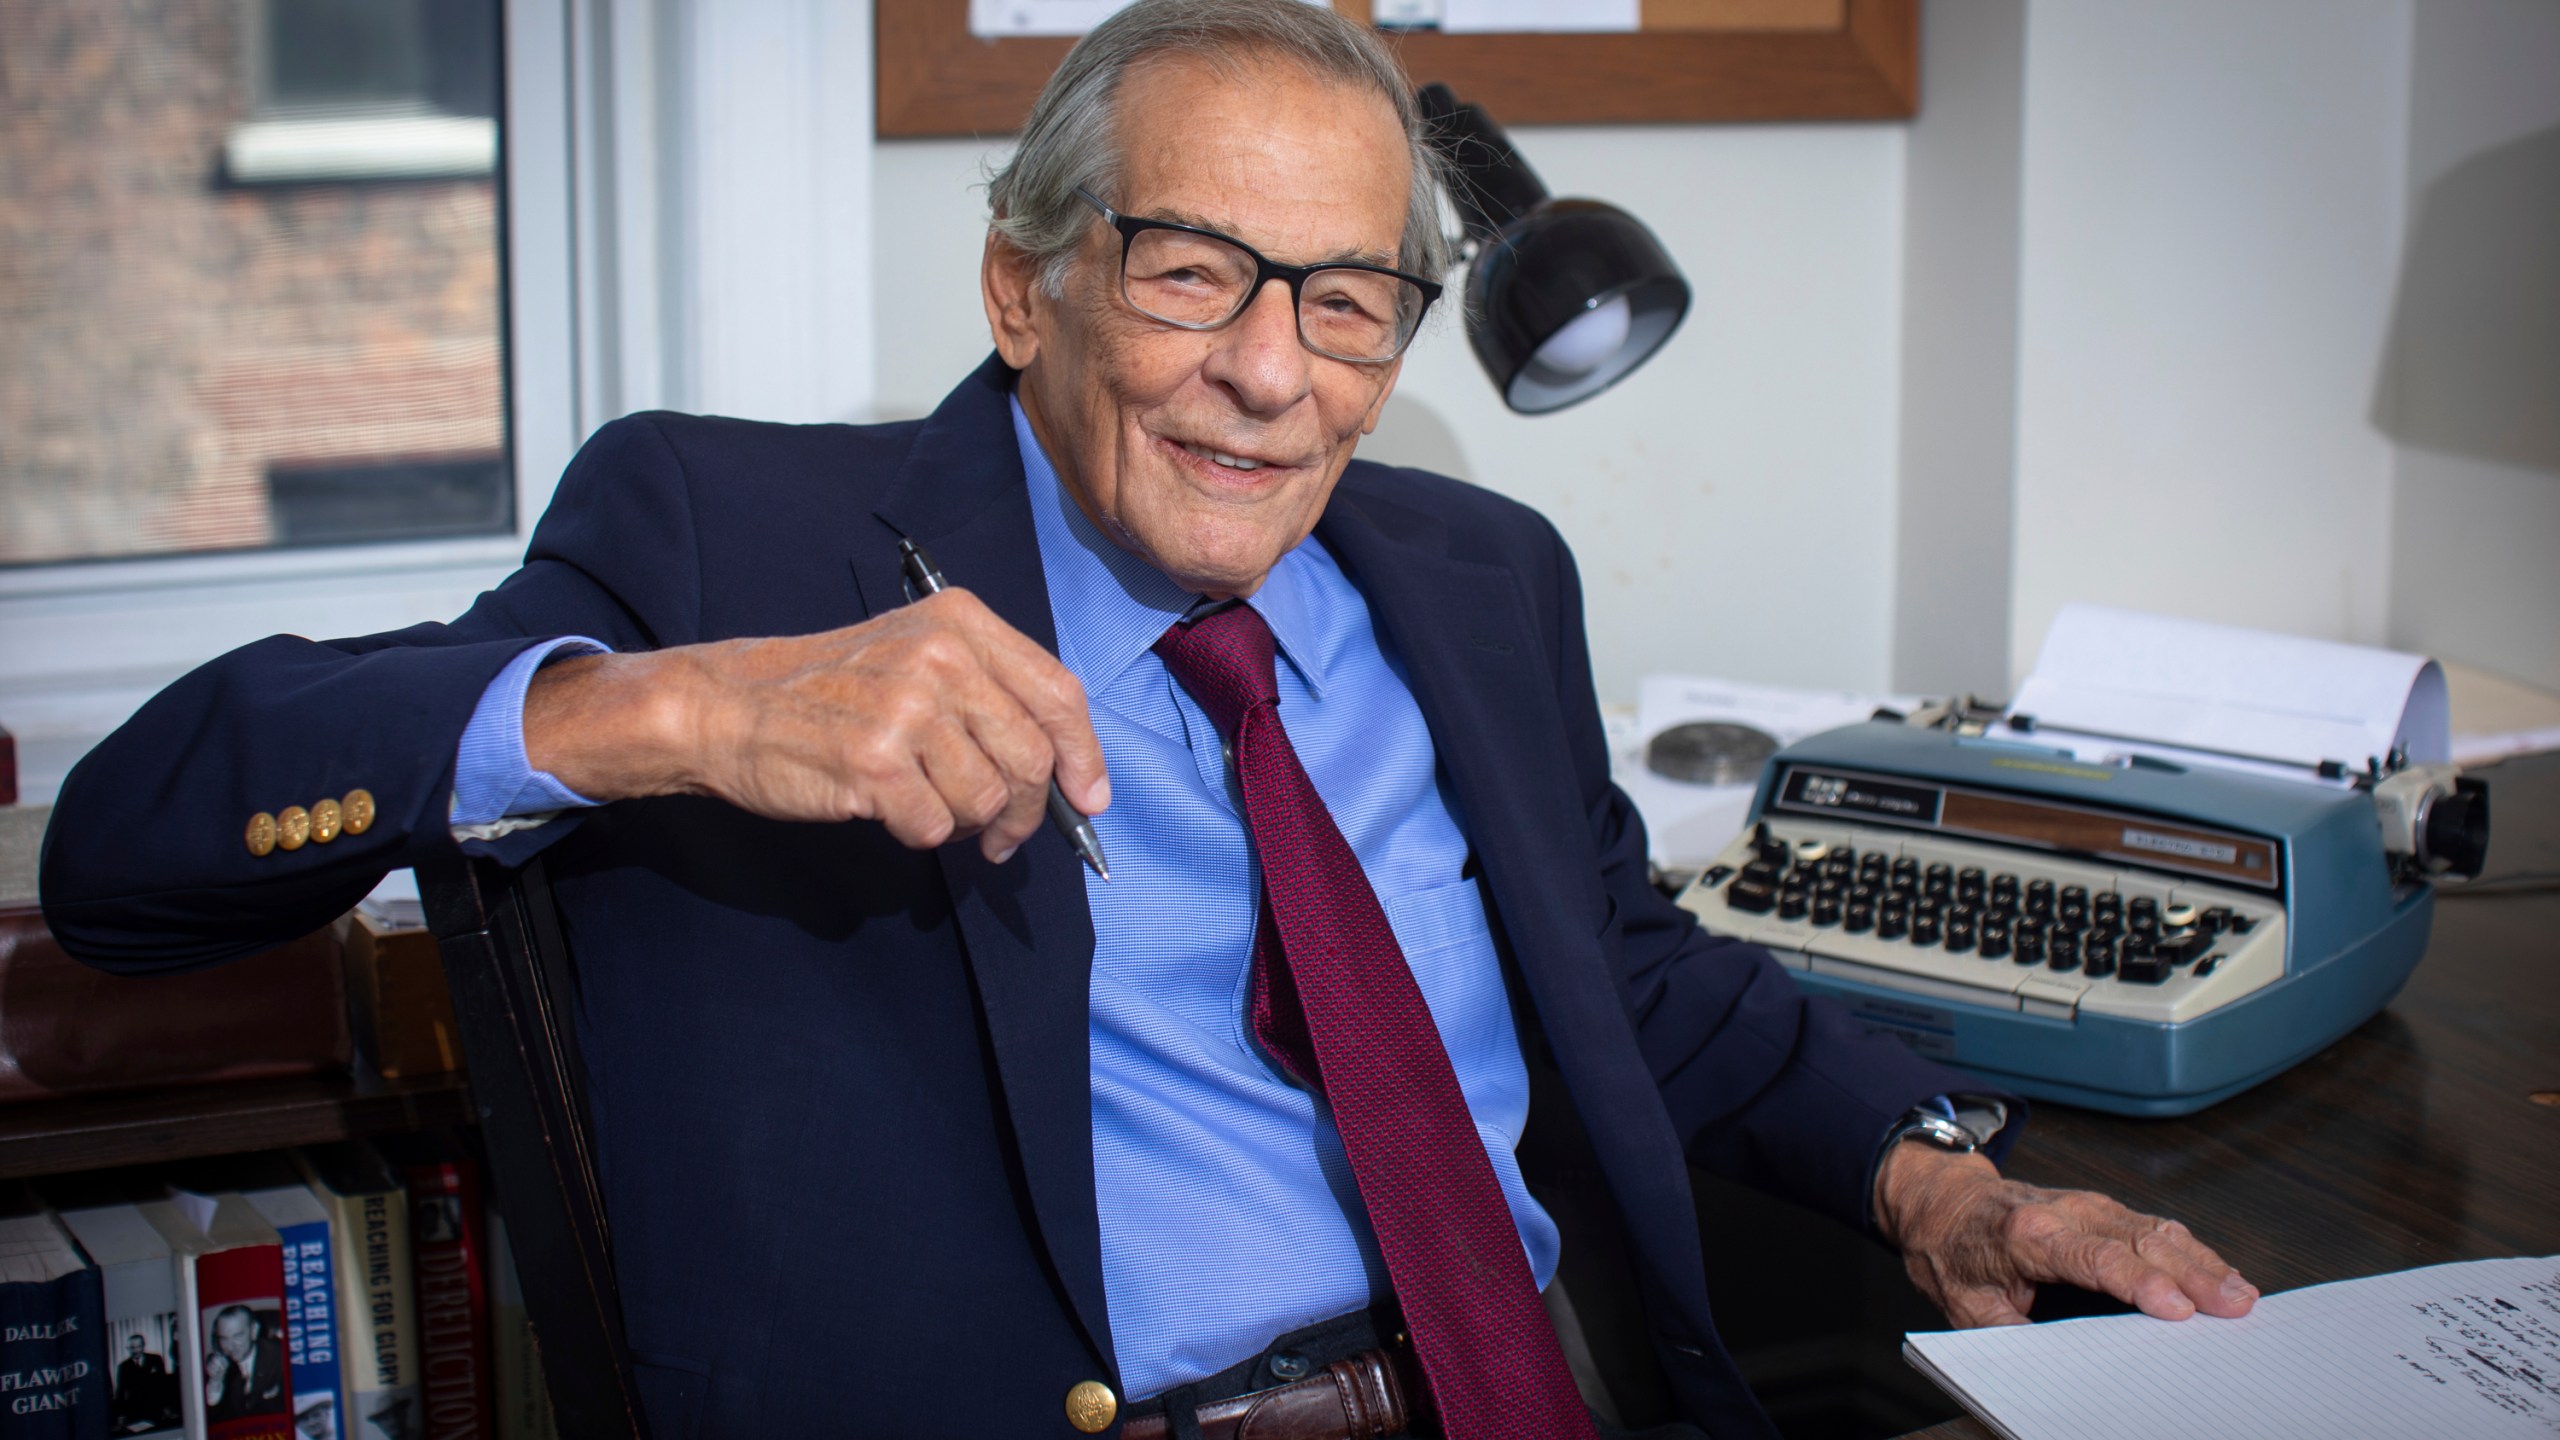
(1988, 924)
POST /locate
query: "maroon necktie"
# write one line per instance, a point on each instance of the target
(1334, 1002)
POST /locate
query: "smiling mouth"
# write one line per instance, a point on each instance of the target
(1222, 458)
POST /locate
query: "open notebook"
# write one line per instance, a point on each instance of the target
(2470, 1350)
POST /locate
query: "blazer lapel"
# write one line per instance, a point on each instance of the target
(1482, 673)
(1025, 925)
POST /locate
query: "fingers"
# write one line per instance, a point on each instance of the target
(2209, 1282)
(2154, 1265)
(937, 720)
(1054, 699)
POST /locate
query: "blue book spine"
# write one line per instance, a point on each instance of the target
(53, 1358)
(311, 1331)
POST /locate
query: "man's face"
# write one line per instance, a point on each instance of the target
(1131, 410)
(231, 1334)
(133, 1346)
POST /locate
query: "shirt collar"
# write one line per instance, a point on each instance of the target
(1112, 607)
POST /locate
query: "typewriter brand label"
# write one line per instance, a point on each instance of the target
(2183, 846)
(1812, 789)
(1927, 1029)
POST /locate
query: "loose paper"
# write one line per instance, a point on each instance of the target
(2121, 680)
(1688, 824)
(2470, 1349)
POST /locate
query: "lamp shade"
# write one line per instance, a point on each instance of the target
(1564, 297)
(1568, 299)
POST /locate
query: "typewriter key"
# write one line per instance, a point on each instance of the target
(1792, 904)
(1925, 930)
(1960, 937)
(2178, 915)
(1892, 924)
(1858, 917)
(1826, 909)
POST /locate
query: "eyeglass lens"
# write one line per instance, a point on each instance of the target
(1199, 282)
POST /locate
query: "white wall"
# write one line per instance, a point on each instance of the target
(2210, 231)
(1732, 504)
(2472, 386)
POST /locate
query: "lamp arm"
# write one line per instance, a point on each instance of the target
(1489, 183)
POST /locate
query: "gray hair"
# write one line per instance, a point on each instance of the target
(1069, 141)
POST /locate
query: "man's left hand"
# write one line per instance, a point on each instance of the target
(1978, 1245)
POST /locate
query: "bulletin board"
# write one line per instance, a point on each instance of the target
(1692, 60)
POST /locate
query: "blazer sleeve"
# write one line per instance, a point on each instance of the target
(145, 865)
(1766, 1085)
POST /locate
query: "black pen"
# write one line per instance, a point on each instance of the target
(924, 579)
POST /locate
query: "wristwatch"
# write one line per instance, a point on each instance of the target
(1961, 1123)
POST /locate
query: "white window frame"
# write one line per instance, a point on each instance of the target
(688, 193)
(83, 643)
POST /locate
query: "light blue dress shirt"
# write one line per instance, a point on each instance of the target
(1228, 1212)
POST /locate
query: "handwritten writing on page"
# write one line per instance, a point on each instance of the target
(2470, 1349)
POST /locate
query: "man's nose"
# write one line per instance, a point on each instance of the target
(1258, 357)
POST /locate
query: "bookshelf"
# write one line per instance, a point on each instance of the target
(96, 1132)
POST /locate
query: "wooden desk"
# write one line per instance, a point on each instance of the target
(2414, 1141)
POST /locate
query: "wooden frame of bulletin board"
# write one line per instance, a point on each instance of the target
(1693, 60)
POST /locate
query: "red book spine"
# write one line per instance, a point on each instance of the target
(248, 1395)
(447, 1249)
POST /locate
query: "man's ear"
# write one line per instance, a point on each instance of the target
(1009, 281)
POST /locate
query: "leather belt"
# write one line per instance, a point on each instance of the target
(1355, 1399)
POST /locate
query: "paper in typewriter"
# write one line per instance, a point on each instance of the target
(2471, 1349)
(2111, 680)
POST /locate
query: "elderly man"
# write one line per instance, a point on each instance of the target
(910, 1136)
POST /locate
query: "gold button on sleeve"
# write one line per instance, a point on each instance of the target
(262, 834)
(325, 820)
(293, 826)
(355, 813)
(1090, 1406)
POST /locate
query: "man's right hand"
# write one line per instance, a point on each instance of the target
(937, 719)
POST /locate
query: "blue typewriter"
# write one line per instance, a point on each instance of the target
(2144, 938)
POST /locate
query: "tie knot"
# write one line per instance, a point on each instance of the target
(1225, 659)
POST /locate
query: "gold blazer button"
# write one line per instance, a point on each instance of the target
(1090, 1406)
(355, 813)
(293, 826)
(262, 834)
(324, 822)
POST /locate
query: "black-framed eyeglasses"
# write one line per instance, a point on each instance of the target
(1198, 279)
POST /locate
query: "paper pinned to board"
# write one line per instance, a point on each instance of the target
(1494, 17)
(2469, 1349)
(2193, 690)
(1019, 19)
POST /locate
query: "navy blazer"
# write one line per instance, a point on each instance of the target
(840, 1087)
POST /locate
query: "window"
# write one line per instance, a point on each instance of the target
(251, 296)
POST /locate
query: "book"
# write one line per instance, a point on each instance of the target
(138, 1276)
(231, 1288)
(447, 1266)
(310, 1305)
(523, 1403)
(377, 1310)
(396, 992)
(53, 1383)
(74, 1028)
(2469, 1349)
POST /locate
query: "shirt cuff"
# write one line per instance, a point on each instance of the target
(496, 790)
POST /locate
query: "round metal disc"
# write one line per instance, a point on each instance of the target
(1709, 752)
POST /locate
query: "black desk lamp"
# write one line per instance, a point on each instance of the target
(1564, 297)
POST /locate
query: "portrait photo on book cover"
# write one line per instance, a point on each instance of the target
(142, 1394)
(244, 1360)
(315, 1415)
(391, 1415)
